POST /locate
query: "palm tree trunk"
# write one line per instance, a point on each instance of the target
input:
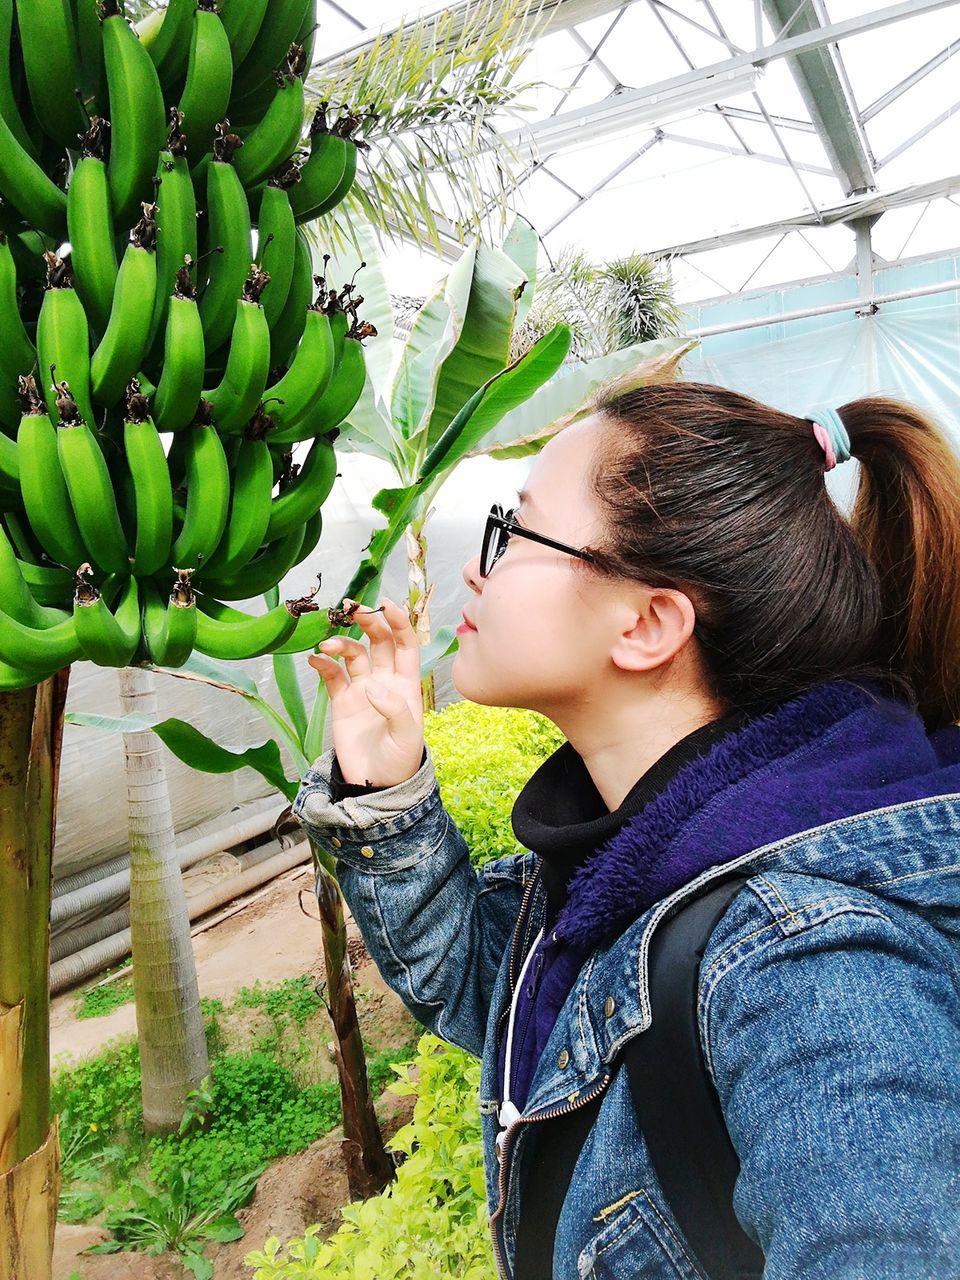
(31, 729)
(173, 1050)
(418, 597)
(369, 1167)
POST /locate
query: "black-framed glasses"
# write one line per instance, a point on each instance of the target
(496, 534)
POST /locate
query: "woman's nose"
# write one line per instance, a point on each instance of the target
(471, 574)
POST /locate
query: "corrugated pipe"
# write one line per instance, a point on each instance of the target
(73, 940)
(93, 959)
(91, 898)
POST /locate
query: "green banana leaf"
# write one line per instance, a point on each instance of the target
(435, 331)
(525, 429)
(500, 394)
(483, 344)
(521, 244)
(196, 749)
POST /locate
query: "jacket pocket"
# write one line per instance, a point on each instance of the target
(636, 1240)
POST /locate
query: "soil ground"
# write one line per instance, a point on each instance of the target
(269, 939)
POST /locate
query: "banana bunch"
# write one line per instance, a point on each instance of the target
(157, 371)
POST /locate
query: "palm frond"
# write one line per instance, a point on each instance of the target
(437, 83)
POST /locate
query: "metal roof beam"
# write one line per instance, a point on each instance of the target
(670, 136)
(862, 207)
(914, 78)
(803, 42)
(831, 109)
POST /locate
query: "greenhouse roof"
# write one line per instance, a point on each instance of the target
(740, 138)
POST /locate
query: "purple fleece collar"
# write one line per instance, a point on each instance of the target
(650, 856)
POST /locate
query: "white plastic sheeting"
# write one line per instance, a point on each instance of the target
(91, 816)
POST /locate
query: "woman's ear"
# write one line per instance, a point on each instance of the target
(660, 624)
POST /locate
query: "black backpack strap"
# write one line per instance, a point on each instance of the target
(678, 1112)
(675, 1101)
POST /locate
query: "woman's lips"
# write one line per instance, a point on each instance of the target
(465, 626)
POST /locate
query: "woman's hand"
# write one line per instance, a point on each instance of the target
(376, 702)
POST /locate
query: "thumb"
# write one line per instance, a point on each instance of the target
(389, 703)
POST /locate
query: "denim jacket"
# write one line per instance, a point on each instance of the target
(828, 1001)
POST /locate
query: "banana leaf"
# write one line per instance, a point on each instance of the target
(196, 749)
(525, 429)
(285, 674)
(521, 245)
(483, 344)
(435, 331)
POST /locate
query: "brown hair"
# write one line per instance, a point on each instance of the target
(713, 493)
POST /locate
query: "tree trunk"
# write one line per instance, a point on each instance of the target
(418, 598)
(369, 1167)
(31, 730)
(173, 1050)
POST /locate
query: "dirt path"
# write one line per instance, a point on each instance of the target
(269, 939)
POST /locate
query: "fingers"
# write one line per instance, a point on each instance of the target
(354, 654)
(330, 672)
(393, 642)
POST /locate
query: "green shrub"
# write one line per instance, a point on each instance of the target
(432, 1221)
(483, 756)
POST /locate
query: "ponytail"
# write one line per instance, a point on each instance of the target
(715, 494)
(907, 516)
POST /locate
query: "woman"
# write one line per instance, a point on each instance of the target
(744, 679)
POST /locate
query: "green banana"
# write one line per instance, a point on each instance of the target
(45, 496)
(45, 649)
(17, 355)
(138, 123)
(322, 171)
(242, 20)
(90, 229)
(176, 225)
(181, 380)
(335, 404)
(108, 638)
(253, 78)
(276, 236)
(91, 496)
(345, 183)
(89, 50)
(10, 467)
(286, 331)
(48, 44)
(274, 138)
(23, 182)
(63, 342)
(300, 388)
(9, 94)
(206, 91)
(223, 632)
(124, 342)
(147, 463)
(18, 600)
(249, 511)
(235, 399)
(169, 49)
(208, 499)
(263, 571)
(306, 493)
(170, 629)
(48, 584)
(229, 225)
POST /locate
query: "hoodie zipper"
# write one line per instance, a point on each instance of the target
(514, 948)
(581, 1101)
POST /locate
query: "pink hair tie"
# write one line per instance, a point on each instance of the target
(826, 446)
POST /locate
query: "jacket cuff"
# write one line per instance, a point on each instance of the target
(366, 830)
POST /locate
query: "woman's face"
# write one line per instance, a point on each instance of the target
(543, 629)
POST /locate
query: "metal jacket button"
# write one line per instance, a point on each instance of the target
(608, 1007)
(367, 851)
(335, 842)
(563, 1059)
